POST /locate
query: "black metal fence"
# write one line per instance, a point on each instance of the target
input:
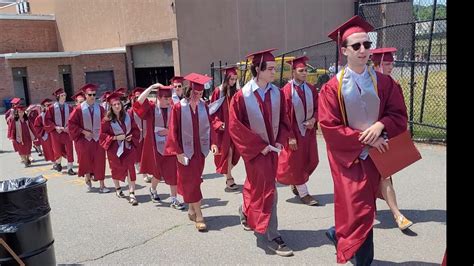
(418, 30)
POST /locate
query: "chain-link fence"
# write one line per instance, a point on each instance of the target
(418, 30)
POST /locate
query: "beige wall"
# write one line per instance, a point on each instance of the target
(97, 24)
(227, 30)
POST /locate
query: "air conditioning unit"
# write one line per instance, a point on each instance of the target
(22, 7)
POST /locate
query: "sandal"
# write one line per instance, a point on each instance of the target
(232, 187)
(192, 217)
(201, 225)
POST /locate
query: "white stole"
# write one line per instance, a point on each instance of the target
(141, 124)
(187, 128)
(87, 120)
(58, 116)
(300, 114)
(119, 131)
(255, 115)
(160, 141)
(362, 107)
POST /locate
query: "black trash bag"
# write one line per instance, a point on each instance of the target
(22, 199)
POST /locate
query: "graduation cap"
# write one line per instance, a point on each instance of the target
(105, 95)
(113, 96)
(298, 62)
(177, 79)
(197, 81)
(45, 101)
(123, 91)
(136, 92)
(165, 91)
(262, 56)
(15, 100)
(383, 54)
(355, 24)
(58, 92)
(78, 94)
(20, 107)
(232, 70)
(89, 87)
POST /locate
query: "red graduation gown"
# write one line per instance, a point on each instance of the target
(25, 147)
(46, 144)
(62, 144)
(139, 148)
(31, 120)
(152, 162)
(221, 138)
(356, 182)
(295, 167)
(91, 155)
(124, 165)
(189, 177)
(259, 186)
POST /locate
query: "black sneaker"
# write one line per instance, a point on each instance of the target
(119, 193)
(175, 204)
(58, 168)
(280, 248)
(71, 172)
(154, 196)
(243, 220)
(331, 235)
(294, 190)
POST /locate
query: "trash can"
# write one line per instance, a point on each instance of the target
(25, 223)
(7, 103)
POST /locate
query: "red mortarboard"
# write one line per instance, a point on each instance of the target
(78, 94)
(197, 81)
(89, 87)
(121, 90)
(230, 71)
(383, 54)
(353, 25)
(262, 56)
(105, 95)
(136, 92)
(165, 91)
(298, 62)
(45, 101)
(58, 92)
(177, 79)
(15, 100)
(20, 107)
(114, 96)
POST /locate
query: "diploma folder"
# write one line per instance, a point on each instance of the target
(401, 153)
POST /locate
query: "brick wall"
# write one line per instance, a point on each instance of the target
(44, 77)
(18, 35)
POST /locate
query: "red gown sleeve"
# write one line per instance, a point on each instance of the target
(173, 142)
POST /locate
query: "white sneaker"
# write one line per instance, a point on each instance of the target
(104, 190)
(147, 178)
(89, 186)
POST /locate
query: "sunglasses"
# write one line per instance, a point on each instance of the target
(356, 46)
(179, 86)
(91, 94)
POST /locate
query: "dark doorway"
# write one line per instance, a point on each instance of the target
(103, 79)
(66, 75)
(144, 77)
(20, 84)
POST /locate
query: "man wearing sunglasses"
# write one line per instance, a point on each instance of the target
(177, 82)
(84, 128)
(358, 108)
(56, 123)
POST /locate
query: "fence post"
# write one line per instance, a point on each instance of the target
(412, 78)
(427, 66)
